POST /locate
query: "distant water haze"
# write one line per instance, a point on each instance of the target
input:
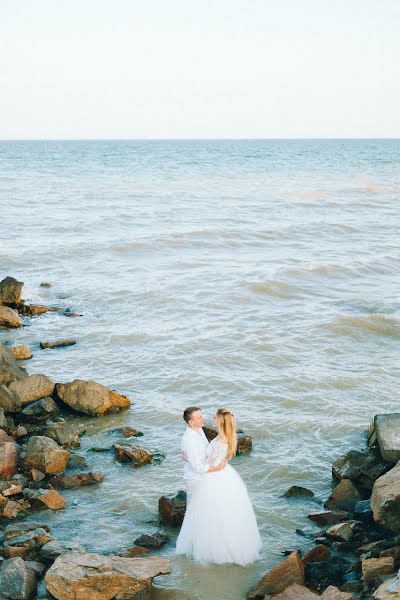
(259, 275)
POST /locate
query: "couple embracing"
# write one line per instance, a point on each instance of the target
(219, 525)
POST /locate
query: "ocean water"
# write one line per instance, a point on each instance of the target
(259, 275)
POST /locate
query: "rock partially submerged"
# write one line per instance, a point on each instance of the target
(244, 441)
(9, 317)
(21, 352)
(172, 508)
(126, 451)
(76, 576)
(58, 343)
(10, 291)
(91, 398)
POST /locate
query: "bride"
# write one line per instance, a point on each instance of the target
(220, 525)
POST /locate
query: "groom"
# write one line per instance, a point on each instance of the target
(194, 449)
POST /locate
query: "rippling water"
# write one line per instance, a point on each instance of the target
(261, 275)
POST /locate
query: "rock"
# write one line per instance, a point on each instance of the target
(8, 460)
(17, 580)
(91, 398)
(32, 387)
(18, 432)
(319, 575)
(45, 284)
(12, 509)
(33, 310)
(40, 410)
(9, 318)
(296, 592)
(58, 343)
(363, 512)
(4, 437)
(394, 553)
(133, 552)
(128, 452)
(363, 468)
(344, 531)
(375, 567)
(76, 480)
(63, 433)
(244, 441)
(76, 461)
(389, 590)
(288, 572)
(33, 539)
(386, 431)
(37, 475)
(55, 548)
(45, 498)
(72, 314)
(298, 491)
(3, 420)
(17, 529)
(329, 517)
(21, 352)
(172, 508)
(9, 367)
(385, 500)
(10, 291)
(46, 455)
(153, 541)
(13, 551)
(130, 431)
(344, 496)
(10, 488)
(8, 401)
(333, 593)
(316, 554)
(82, 576)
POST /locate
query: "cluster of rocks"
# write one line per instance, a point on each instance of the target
(356, 554)
(38, 458)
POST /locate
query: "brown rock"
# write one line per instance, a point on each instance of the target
(12, 509)
(363, 468)
(394, 553)
(75, 576)
(8, 402)
(91, 398)
(39, 410)
(374, 567)
(389, 590)
(297, 491)
(244, 441)
(344, 496)
(32, 387)
(10, 291)
(333, 593)
(130, 432)
(9, 318)
(45, 284)
(49, 498)
(8, 460)
(21, 352)
(134, 552)
(128, 452)
(9, 367)
(33, 310)
(37, 475)
(13, 551)
(76, 480)
(288, 572)
(296, 592)
(316, 554)
(46, 455)
(64, 434)
(172, 508)
(385, 500)
(342, 531)
(58, 343)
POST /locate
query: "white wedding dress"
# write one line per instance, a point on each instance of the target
(220, 525)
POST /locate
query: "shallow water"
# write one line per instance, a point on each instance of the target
(261, 275)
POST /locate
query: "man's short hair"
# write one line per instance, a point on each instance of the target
(187, 413)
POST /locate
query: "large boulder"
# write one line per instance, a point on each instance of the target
(385, 500)
(91, 398)
(389, 590)
(45, 454)
(8, 401)
(10, 291)
(344, 496)
(386, 432)
(76, 576)
(9, 318)
(45, 498)
(8, 460)
(286, 573)
(9, 368)
(126, 451)
(32, 387)
(17, 579)
(172, 508)
(363, 468)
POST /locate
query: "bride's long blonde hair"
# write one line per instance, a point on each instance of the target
(227, 429)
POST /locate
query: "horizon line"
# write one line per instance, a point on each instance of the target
(194, 139)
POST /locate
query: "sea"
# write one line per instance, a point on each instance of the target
(261, 275)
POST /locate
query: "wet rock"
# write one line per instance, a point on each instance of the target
(9, 367)
(385, 500)
(84, 576)
(76, 461)
(72, 314)
(91, 398)
(58, 343)
(153, 541)
(63, 433)
(17, 580)
(296, 592)
(375, 567)
(40, 410)
(77, 480)
(32, 387)
(333, 593)
(344, 496)
(386, 431)
(344, 531)
(316, 554)
(129, 452)
(134, 552)
(172, 508)
(286, 573)
(363, 512)
(329, 517)
(12, 509)
(10, 291)
(320, 575)
(363, 468)
(55, 548)
(45, 454)
(130, 432)
(33, 539)
(17, 529)
(34, 310)
(9, 318)
(45, 284)
(45, 498)
(389, 590)
(21, 352)
(8, 460)
(296, 491)
(244, 441)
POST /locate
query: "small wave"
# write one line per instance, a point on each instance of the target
(375, 189)
(377, 324)
(273, 287)
(328, 270)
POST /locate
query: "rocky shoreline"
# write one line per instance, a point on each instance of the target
(355, 554)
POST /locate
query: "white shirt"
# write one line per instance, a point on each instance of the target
(194, 444)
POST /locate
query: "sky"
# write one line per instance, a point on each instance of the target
(162, 69)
